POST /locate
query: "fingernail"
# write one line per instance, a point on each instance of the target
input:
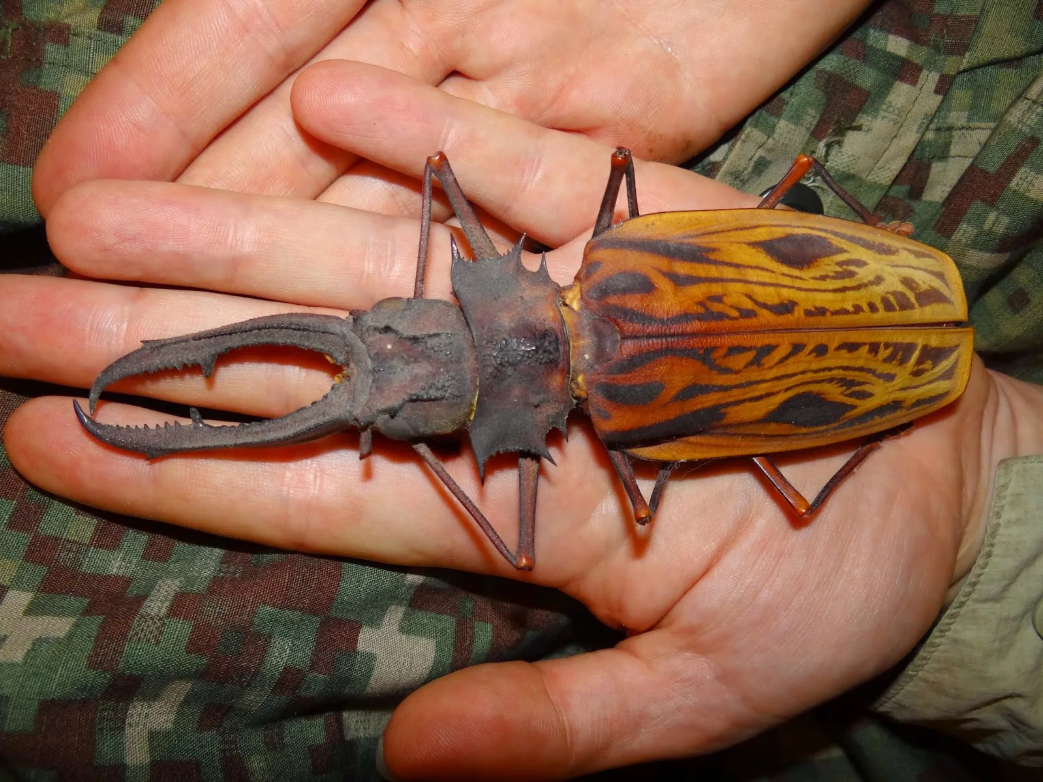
(382, 768)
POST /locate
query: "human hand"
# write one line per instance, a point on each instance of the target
(737, 617)
(200, 94)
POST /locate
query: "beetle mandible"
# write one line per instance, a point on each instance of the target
(685, 336)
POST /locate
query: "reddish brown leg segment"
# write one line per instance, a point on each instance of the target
(644, 512)
(528, 482)
(796, 500)
(438, 168)
(528, 476)
(805, 163)
(665, 471)
(797, 172)
(622, 165)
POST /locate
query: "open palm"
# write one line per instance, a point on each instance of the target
(737, 615)
(201, 93)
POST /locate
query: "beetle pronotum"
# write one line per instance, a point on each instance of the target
(685, 336)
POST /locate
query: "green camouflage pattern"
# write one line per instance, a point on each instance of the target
(131, 650)
(49, 50)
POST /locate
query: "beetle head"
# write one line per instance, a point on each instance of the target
(410, 373)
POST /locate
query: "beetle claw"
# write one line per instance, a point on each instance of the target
(327, 334)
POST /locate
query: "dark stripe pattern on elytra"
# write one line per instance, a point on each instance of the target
(791, 277)
(729, 386)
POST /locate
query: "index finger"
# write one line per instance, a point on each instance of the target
(547, 183)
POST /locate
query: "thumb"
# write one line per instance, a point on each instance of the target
(556, 719)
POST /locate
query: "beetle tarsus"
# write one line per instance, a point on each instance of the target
(625, 471)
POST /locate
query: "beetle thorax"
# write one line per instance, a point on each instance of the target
(523, 354)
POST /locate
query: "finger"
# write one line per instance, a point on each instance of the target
(544, 182)
(557, 719)
(373, 188)
(277, 248)
(663, 78)
(317, 497)
(145, 115)
(265, 151)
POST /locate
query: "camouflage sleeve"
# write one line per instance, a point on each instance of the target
(979, 673)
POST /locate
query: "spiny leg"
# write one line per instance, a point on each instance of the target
(438, 167)
(622, 165)
(805, 163)
(528, 475)
(796, 500)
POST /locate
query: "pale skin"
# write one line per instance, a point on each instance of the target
(737, 616)
(663, 77)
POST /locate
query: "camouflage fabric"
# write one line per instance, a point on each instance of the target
(48, 53)
(131, 650)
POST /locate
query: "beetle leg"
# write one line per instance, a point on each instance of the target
(438, 168)
(665, 471)
(789, 492)
(642, 512)
(800, 168)
(805, 163)
(528, 475)
(528, 482)
(796, 500)
(365, 443)
(622, 165)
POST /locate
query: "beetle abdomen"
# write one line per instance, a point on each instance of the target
(744, 270)
(753, 331)
(701, 397)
